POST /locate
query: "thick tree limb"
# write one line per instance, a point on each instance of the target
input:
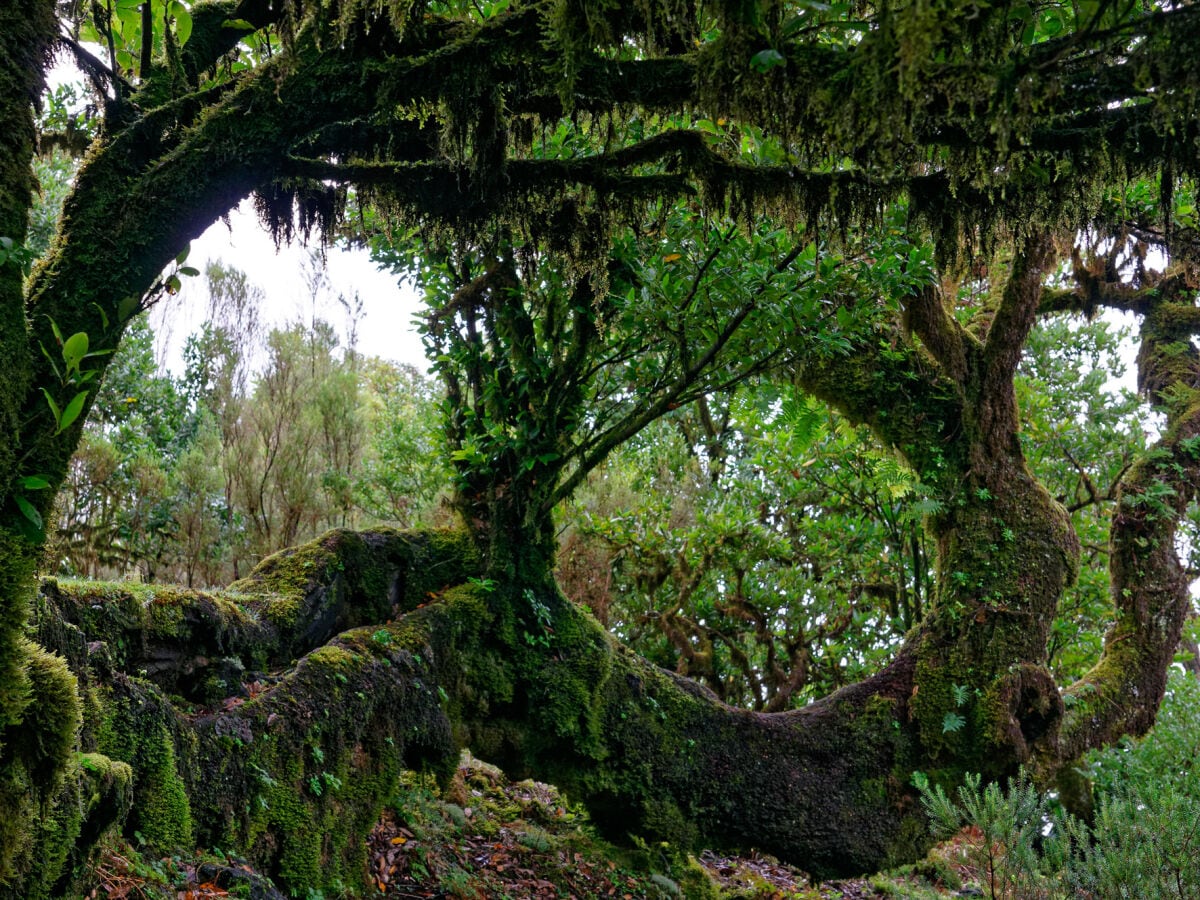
(1151, 591)
(1015, 317)
(649, 753)
(947, 341)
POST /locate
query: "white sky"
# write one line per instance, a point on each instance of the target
(386, 330)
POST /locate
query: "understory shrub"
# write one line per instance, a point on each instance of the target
(1144, 841)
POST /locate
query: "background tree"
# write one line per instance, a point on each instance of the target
(256, 447)
(790, 557)
(783, 576)
(404, 468)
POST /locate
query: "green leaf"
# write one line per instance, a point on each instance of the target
(189, 271)
(765, 60)
(239, 24)
(57, 334)
(806, 418)
(71, 413)
(952, 722)
(103, 315)
(34, 483)
(53, 406)
(183, 254)
(28, 511)
(183, 21)
(50, 359)
(127, 307)
(173, 285)
(75, 349)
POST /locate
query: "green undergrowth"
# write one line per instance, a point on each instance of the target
(485, 837)
(1141, 839)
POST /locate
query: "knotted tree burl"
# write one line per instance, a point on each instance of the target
(995, 132)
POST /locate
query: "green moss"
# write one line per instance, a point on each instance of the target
(17, 801)
(16, 575)
(96, 796)
(334, 659)
(163, 812)
(50, 836)
(282, 580)
(128, 616)
(568, 681)
(298, 794)
(357, 578)
(48, 732)
(695, 883)
(37, 828)
(140, 728)
(296, 776)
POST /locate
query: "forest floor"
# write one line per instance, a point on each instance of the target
(488, 838)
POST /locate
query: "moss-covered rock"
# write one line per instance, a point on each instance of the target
(56, 843)
(296, 777)
(57, 803)
(141, 728)
(295, 774)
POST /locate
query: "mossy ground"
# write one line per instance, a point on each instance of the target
(485, 837)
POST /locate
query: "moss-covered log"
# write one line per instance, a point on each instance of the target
(199, 644)
(295, 774)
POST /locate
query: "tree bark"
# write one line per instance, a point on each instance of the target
(1150, 588)
(294, 775)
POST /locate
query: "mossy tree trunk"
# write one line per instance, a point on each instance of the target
(127, 217)
(1150, 587)
(27, 37)
(39, 704)
(981, 697)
